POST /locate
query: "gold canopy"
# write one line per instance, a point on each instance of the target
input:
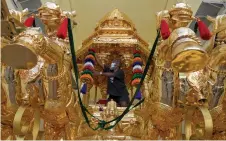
(114, 34)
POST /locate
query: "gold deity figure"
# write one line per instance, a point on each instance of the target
(55, 94)
(57, 76)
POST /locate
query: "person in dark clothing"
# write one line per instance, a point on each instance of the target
(116, 87)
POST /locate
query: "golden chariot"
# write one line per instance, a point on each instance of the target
(183, 85)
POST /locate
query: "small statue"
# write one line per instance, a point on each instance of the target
(108, 114)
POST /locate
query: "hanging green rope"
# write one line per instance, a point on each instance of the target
(75, 67)
(102, 124)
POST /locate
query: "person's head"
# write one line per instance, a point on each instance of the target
(116, 64)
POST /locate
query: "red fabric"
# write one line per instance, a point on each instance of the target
(137, 71)
(137, 59)
(62, 30)
(88, 68)
(136, 52)
(29, 21)
(91, 49)
(136, 81)
(203, 30)
(102, 101)
(164, 28)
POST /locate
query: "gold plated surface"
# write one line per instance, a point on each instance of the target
(38, 100)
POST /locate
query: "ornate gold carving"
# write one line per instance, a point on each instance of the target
(44, 90)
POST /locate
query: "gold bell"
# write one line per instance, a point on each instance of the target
(187, 54)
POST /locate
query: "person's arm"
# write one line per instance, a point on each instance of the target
(108, 74)
(118, 74)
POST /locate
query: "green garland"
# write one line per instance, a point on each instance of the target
(137, 75)
(92, 53)
(136, 55)
(87, 72)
